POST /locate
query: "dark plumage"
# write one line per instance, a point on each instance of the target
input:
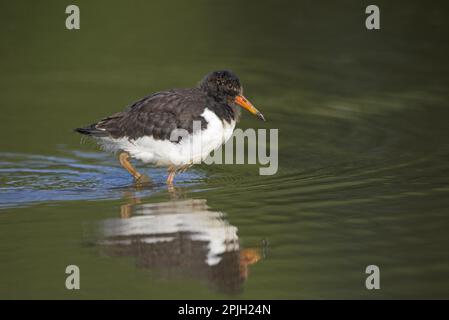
(144, 129)
(157, 115)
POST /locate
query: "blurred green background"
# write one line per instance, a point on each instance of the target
(363, 149)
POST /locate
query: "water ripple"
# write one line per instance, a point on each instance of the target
(27, 179)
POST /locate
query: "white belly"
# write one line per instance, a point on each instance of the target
(191, 149)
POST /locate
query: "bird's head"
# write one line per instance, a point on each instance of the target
(225, 86)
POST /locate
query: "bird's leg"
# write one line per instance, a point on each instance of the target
(172, 170)
(185, 167)
(171, 175)
(124, 161)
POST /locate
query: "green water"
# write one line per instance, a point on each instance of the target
(363, 152)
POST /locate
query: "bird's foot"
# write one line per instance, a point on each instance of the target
(143, 180)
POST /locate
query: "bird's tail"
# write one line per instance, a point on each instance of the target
(90, 131)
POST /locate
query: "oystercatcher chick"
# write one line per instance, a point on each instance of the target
(148, 130)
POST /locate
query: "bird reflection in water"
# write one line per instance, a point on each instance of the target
(182, 237)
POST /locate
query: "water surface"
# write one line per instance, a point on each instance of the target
(363, 152)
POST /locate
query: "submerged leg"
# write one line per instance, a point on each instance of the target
(124, 161)
(171, 175)
(172, 170)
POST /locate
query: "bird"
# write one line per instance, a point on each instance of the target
(160, 129)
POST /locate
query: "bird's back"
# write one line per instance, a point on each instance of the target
(156, 115)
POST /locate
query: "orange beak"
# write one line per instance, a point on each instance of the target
(244, 103)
